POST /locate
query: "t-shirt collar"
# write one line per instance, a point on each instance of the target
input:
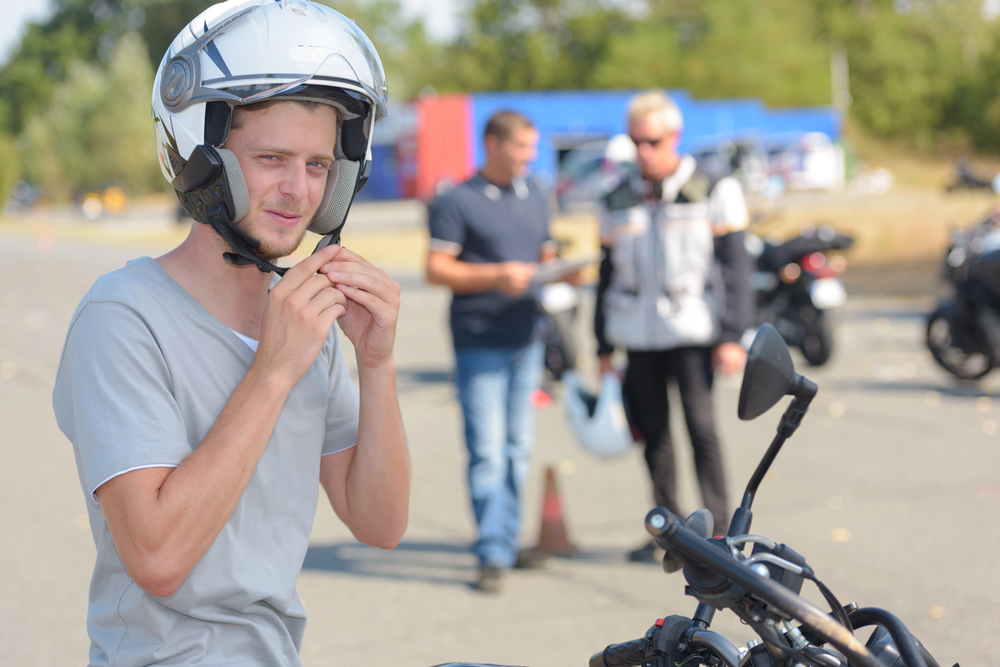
(495, 192)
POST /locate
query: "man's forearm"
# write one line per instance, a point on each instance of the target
(376, 494)
(464, 277)
(162, 530)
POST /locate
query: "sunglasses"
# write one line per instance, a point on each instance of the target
(653, 143)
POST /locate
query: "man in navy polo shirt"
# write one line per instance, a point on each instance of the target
(488, 236)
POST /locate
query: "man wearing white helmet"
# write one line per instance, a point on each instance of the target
(207, 400)
(674, 293)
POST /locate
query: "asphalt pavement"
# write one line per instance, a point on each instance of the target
(890, 489)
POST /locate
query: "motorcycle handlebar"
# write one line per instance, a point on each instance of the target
(626, 654)
(695, 551)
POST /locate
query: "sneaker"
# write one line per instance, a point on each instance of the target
(531, 559)
(648, 553)
(489, 579)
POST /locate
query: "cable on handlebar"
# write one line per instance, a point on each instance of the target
(909, 649)
(835, 606)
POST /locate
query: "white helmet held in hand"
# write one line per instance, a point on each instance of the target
(246, 51)
(599, 423)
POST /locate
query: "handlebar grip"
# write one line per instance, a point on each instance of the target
(626, 654)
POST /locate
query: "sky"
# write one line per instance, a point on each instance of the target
(439, 18)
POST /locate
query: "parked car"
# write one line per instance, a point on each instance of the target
(586, 171)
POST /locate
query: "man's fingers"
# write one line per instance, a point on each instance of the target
(362, 266)
(348, 256)
(324, 299)
(309, 288)
(385, 289)
(382, 312)
(302, 271)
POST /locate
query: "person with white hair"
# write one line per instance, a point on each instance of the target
(674, 293)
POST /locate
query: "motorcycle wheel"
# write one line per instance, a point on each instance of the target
(817, 343)
(968, 357)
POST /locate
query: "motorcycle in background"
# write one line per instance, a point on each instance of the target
(755, 578)
(966, 178)
(796, 284)
(963, 332)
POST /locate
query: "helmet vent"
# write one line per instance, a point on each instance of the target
(178, 80)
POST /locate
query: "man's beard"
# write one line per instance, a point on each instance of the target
(270, 252)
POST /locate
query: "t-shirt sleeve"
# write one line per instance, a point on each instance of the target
(728, 207)
(113, 396)
(447, 225)
(342, 410)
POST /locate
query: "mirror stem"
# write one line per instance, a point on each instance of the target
(804, 390)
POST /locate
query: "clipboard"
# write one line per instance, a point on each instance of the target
(553, 271)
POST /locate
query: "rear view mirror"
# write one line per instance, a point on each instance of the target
(769, 374)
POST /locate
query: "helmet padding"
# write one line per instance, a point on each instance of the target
(237, 184)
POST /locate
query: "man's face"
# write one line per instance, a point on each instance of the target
(656, 146)
(285, 152)
(514, 153)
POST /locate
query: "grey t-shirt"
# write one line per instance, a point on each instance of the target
(144, 375)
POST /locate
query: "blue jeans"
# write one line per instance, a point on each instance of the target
(494, 387)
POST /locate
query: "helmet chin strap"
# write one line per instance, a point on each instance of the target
(243, 246)
(217, 215)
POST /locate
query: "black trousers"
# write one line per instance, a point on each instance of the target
(646, 388)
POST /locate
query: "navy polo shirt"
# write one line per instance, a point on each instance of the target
(481, 223)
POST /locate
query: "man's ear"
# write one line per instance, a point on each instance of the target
(490, 141)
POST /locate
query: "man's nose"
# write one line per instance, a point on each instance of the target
(295, 183)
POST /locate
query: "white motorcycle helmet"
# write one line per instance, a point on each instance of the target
(245, 51)
(599, 423)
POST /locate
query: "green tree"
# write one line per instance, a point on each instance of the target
(724, 48)
(29, 79)
(97, 131)
(905, 66)
(527, 45)
(10, 166)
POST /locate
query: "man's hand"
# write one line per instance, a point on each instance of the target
(369, 485)
(515, 277)
(372, 308)
(574, 278)
(298, 315)
(728, 358)
(604, 365)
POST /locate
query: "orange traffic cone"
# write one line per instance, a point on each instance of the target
(552, 537)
